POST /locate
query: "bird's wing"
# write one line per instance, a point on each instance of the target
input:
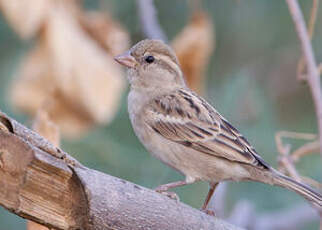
(185, 118)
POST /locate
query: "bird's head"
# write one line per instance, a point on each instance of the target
(152, 64)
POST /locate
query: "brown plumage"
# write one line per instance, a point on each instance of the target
(200, 126)
(185, 132)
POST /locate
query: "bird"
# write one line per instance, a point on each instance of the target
(185, 132)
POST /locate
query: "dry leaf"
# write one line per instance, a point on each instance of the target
(85, 74)
(106, 31)
(26, 16)
(34, 82)
(194, 46)
(72, 122)
(46, 127)
(71, 71)
(36, 87)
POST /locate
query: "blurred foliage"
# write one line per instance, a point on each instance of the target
(250, 79)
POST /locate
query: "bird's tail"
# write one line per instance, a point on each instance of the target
(304, 190)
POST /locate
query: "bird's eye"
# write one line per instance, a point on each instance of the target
(149, 59)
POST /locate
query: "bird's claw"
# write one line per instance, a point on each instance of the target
(171, 195)
(208, 212)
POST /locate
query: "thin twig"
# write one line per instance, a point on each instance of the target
(313, 74)
(295, 135)
(306, 149)
(304, 76)
(314, 12)
(149, 20)
(301, 63)
(290, 168)
(285, 159)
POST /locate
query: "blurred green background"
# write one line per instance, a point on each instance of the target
(251, 79)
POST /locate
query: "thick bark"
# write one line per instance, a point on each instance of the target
(42, 183)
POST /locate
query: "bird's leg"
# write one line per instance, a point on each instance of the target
(163, 189)
(209, 195)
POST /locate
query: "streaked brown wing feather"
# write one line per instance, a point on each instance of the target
(185, 118)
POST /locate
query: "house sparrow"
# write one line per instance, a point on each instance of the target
(185, 132)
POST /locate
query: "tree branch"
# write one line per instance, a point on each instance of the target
(37, 184)
(149, 20)
(287, 159)
(313, 74)
(308, 148)
(301, 64)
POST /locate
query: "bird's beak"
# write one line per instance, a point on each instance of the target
(126, 59)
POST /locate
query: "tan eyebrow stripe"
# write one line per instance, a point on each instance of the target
(170, 62)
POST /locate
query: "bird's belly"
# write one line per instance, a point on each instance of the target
(193, 164)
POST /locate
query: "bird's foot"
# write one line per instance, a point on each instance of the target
(208, 212)
(171, 195)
